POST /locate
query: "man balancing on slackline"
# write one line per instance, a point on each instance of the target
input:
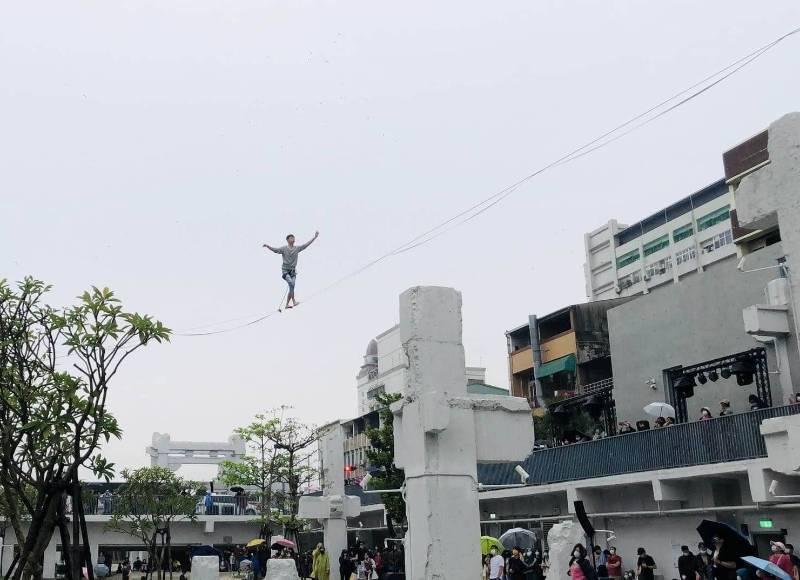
(289, 267)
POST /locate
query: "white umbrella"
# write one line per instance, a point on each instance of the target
(660, 410)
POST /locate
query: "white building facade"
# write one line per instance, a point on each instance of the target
(676, 241)
(385, 367)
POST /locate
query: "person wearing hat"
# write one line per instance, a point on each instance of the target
(780, 558)
(725, 408)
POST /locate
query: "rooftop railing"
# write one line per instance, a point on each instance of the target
(107, 504)
(723, 439)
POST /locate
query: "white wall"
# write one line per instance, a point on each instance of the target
(183, 533)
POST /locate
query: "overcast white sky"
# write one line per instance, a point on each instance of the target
(153, 146)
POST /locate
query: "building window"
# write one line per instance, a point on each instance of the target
(686, 255)
(630, 279)
(713, 218)
(628, 258)
(379, 390)
(718, 241)
(682, 233)
(656, 245)
(658, 268)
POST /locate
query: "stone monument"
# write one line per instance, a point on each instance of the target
(334, 507)
(282, 569)
(205, 568)
(440, 435)
(561, 538)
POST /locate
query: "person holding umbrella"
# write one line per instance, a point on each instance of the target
(516, 566)
(723, 561)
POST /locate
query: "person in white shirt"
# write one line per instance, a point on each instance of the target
(496, 566)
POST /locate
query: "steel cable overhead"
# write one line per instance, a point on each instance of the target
(636, 122)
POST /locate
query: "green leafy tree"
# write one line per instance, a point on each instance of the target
(147, 504)
(381, 458)
(293, 441)
(56, 366)
(281, 453)
(260, 469)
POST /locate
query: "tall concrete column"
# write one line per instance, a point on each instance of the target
(440, 435)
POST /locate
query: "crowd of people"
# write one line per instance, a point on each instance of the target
(355, 563)
(713, 562)
(725, 408)
(515, 564)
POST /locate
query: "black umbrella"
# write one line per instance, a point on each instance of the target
(572, 434)
(237, 489)
(205, 551)
(736, 545)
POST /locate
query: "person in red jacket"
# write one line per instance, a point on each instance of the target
(780, 558)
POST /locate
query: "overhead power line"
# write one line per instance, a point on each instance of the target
(634, 123)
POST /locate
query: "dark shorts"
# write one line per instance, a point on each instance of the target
(290, 277)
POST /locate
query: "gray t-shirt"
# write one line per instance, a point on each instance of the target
(289, 254)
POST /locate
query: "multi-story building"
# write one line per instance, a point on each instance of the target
(562, 353)
(674, 242)
(725, 334)
(384, 370)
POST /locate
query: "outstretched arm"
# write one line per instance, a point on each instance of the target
(302, 247)
(276, 250)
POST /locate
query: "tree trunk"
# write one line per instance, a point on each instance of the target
(11, 566)
(65, 538)
(75, 546)
(161, 560)
(87, 551)
(41, 530)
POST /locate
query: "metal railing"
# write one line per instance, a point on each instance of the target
(729, 438)
(106, 504)
(596, 386)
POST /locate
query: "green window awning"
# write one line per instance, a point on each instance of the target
(565, 363)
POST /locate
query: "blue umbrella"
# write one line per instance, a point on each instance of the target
(768, 567)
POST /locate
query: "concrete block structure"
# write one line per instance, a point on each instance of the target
(172, 454)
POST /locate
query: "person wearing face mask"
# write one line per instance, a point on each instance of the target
(704, 561)
(780, 558)
(496, 565)
(705, 414)
(579, 567)
(645, 565)
(600, 562)
(516, 566)
(321, 567)
(687, 565)
(535, 569)
(614, 563)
